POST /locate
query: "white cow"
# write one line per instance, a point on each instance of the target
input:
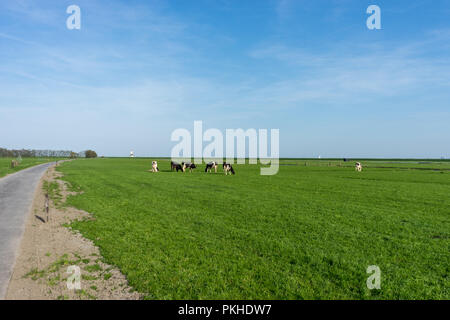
(155, 166)
(358, 167)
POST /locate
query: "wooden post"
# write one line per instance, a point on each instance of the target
(14, 164)
(46, 204)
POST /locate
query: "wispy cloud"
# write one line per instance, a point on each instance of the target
(31, 10)
(359, 73)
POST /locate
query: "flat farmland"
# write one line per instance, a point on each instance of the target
(309, 232)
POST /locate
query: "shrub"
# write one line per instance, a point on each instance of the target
(91, 154)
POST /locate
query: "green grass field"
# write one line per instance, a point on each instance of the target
(309, 232)
(5, 164)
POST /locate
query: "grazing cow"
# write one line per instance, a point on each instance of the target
(14, 163)
(155, 166)
(188, 165)
(175, 166)
(211, 165)
(358, 167)
(228, 168)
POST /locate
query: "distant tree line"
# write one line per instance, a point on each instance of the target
(25, 153)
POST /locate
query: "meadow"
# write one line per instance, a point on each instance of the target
(5, 164)
(309, 232)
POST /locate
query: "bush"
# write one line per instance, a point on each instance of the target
(91, 154)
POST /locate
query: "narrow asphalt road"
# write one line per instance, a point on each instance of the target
(16, 197)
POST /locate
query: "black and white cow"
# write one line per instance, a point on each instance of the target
(210, 166)
(188, 165)
(175, 166)
(227, 167)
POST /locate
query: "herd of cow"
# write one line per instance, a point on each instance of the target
(227, 167)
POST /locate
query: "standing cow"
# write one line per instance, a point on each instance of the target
(188, 165)
(175, 166)
(358, 167)
(228, 168)
(211, 165)
(155, 166)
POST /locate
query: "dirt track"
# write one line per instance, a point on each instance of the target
(16, 194)
(48, 248)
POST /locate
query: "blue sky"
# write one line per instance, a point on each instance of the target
(137, 70)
